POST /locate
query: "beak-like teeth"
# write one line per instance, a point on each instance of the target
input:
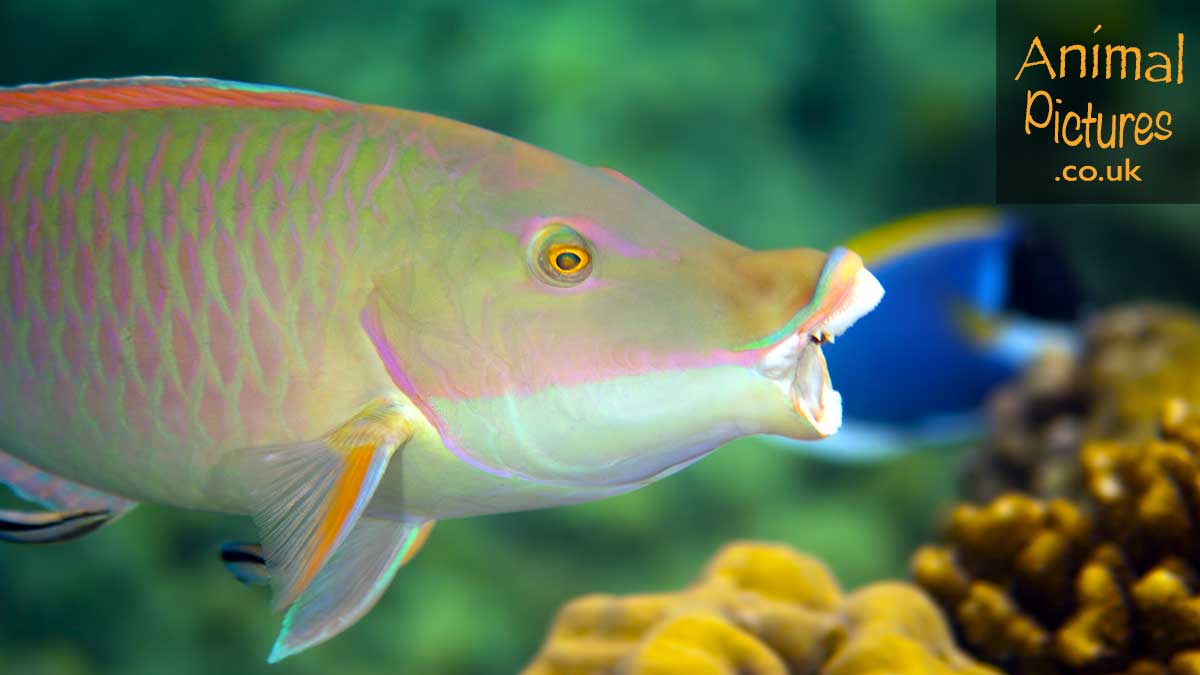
(797, 366)
(812, 395)
(864, 295)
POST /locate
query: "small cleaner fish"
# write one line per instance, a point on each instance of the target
(349, 321)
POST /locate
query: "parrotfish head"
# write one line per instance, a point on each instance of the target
(565, 326)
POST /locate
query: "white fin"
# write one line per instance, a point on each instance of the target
(350, 584)
(307, 497)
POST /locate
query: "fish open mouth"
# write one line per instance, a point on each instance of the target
(845, 293)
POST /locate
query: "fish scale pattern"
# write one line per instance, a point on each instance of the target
(167, 272)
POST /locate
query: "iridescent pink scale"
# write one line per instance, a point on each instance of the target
(232, 157)
(83, 181)
(21, 181)
(222, 340)
(38, 337)
(122, 289)
(50, 184)
(193, 162)
(230, 279)
(117, 177)
(265, 166)
(16, 286)
(54, 279)
(154, 167)
(183, 341)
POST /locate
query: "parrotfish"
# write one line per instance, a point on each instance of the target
(350, 321)
(984, 295)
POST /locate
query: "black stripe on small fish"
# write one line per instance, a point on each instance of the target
(245, 562)
(242, 552)
(45, 527)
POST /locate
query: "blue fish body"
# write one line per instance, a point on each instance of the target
(912, 373)
(910, 360)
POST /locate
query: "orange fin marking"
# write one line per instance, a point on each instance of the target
(307, 497)
(111, 96)
(418, 542)
(342, 499)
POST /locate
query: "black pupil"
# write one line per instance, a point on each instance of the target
(567, 261)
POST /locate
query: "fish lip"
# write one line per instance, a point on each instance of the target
(795, 363)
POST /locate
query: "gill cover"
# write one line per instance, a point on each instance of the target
(525, 349)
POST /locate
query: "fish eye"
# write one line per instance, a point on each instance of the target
(561, 256)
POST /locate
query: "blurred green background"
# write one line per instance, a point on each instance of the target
(775, 123)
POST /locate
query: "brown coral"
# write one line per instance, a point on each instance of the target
(1034, 428)
(1106, 583)
(1133, 359)
(757, 608)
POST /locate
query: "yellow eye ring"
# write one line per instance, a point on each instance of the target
(568, 260)
(560, 256)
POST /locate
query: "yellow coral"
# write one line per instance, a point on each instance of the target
(703, 643)
(896, 629)
(756, 609)
(1100, 629)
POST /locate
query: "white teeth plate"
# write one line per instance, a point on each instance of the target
(797, 366)
(865, 294)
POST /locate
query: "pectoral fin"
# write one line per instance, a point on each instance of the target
(350, 584)
(307, 497)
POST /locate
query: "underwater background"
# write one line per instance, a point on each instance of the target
(776, 124)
